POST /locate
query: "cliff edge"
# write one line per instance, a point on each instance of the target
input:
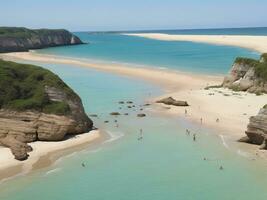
(248, 75)
(22, 39)
(36, 104)
(257, 129)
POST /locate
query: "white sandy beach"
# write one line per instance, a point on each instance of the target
(232, 108)
(41, 149)
(257, 43)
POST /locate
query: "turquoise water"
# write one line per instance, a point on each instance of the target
(185, 56)
(166, 164)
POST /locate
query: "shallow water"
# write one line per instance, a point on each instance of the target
(185, 56)
(166, 163)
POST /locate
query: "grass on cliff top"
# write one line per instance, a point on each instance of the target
(264, 57)
(260, 67)
(22, 87)
(20, 32)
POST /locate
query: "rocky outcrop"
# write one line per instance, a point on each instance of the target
(22, 39)
(172, 101)
(48, 111)
(248, 75)
(257, 129)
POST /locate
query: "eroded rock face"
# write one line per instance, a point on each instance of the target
(257, 129)
(19, 128)
(242, 77)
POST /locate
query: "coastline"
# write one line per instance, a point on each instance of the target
(257, 43)
(234, 108)
(44, 154)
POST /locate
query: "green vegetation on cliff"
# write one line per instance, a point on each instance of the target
(259, 65)
(16, 39)
(20, 32)
(22, 87)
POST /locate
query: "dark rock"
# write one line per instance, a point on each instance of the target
(129, 102)
(115, 113)
(121, 102)
(244, 139)
(93, 115)
(172, 101)
(141, 115)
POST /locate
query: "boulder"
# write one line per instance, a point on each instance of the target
(172, 101)
(141, 115)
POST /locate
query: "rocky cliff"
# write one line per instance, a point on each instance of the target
(35, 104)
(248, 75)
(257, 129)
(22, 39)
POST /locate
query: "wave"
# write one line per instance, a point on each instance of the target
(223, 142)
(113, 136)
(53, 171)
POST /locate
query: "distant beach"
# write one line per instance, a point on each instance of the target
(257, 43)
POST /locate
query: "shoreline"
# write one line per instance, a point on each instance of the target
(234, 107)
(44, 154)
(256, 43)
(182, 86)
(169, 79)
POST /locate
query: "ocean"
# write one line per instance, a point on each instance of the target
(167, 163)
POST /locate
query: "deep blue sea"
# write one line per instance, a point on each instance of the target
(166, 164)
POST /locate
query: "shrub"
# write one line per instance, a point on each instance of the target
(22, 87)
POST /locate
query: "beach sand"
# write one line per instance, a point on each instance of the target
(257, 43)
(42, 152)
(233, 109)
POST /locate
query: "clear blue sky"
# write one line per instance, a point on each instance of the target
(133, 14)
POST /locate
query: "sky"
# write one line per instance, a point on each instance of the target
(109, 15)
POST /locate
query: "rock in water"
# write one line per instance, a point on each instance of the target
(141, 115)
(257, 129)
(35, 104)
(248, 75)
(172, 101)
(23, 39)
(115, 113)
